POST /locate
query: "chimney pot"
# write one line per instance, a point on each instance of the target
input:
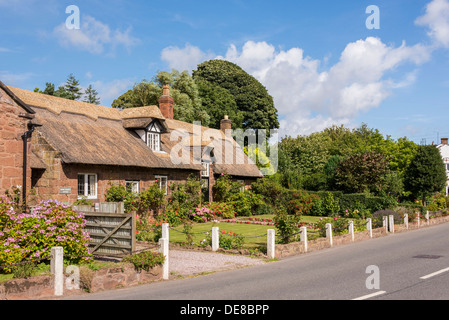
(226, 125)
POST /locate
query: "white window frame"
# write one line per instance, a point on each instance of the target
(86, 186)
(160, 179)
(206, 169)
(154, 137)
(154, 141)
(134, 186)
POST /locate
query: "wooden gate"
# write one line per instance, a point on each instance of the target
(111, 234)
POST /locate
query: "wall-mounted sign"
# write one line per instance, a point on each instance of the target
(65, 190)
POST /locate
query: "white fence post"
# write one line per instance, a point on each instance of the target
(406, 220)
(391, 223)
(428, 217)
(271, 243)
(369, 226)
(165, 232)
(304, 237)
(215, 239)
(329, 233)
(385, 223)
(418, 216)
(163, 248)
(351, 229)
(57, 269)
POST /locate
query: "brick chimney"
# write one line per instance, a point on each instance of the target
(444, 140)
(166, 103)
(226, 125)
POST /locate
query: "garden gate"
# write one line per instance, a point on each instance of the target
(111, 234)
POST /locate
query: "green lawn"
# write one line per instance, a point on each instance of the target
(254, 235)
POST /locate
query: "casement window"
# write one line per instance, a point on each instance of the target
(87, 185)
(133, 186)
(205, 172)
(154, 137)
(163, 183)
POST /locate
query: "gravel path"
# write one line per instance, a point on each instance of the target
(187, 263)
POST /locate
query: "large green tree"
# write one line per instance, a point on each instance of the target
(183, 89)
(426, 173)
(250, 95)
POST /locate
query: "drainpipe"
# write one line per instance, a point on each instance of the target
(25, 136)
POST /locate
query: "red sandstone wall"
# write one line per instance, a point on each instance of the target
(12, 127)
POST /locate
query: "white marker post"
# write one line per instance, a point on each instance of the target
(57, 269)
(351, 229)
(271, 243)
(329, 233)
(304, 237)
(215, 239)
(369, 226)
(163, 248)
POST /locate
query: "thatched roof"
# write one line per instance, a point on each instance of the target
(90, 134)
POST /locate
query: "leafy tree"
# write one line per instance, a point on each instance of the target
(426, 173)
(250, 95)
(187, 102)
(218, 102)
(362, 172)
(91, 95)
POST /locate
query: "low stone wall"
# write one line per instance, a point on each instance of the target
(110, 278)
(296, 248)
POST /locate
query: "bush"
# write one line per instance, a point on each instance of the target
(246, 203)
(301, 203)
(227, 240)
(326, 205)
(272, 192)
(224, 188)
(378, 217)
(145, 260)
(31, 236)
(339, 226)
(286, 224)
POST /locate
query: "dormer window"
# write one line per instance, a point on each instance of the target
(154, 136)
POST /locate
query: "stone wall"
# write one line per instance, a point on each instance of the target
(123, 275)
(291, 249)
(12, 126)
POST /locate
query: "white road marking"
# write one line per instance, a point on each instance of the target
(375, 294)
(435, 274)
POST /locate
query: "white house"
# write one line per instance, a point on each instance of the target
(444, 151)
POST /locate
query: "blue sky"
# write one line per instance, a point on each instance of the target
(318, 60)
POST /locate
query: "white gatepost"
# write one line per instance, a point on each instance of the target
(369, 226)
(165, 232)
(391, 223)
(406, 220)
(329, 233)
(163, 248)
(428, 218)
(418, 216)
(271, 243)
(385, 223)
(351, 229)
(304, 237)
(57, 269)
(215, 239)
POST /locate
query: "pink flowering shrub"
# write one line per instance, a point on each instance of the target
(30, 236)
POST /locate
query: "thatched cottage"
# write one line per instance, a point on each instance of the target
(72, 149)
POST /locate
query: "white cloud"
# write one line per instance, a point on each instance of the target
(110, 90)
(186, 58)
(436, 19)
(94, 36)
